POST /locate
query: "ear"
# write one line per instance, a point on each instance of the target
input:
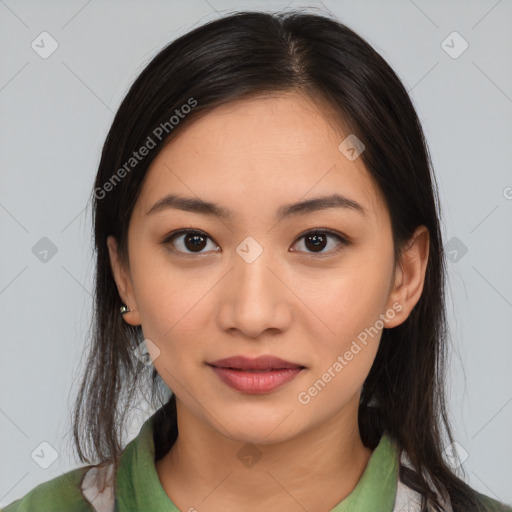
(409, 276)
(123, 282)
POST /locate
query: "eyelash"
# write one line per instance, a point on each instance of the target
(343, 242)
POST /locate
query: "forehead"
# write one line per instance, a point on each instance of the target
(252, 153)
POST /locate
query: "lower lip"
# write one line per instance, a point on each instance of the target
(256, 382)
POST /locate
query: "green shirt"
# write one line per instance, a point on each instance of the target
(139, 488)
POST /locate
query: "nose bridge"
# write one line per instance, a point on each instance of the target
(252, 275)
(256, 296)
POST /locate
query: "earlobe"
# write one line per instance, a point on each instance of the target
(123, 283)
(410, 276)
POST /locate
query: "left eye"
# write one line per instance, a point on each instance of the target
(193, 241)
(190, 239)
(317, 241)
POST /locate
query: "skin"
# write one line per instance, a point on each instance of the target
(253, 156)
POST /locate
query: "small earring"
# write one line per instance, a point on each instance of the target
(124, 309)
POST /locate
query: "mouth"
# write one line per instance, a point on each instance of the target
(258, 364)
(255, 376)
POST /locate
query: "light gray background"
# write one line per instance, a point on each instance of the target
(56, 113)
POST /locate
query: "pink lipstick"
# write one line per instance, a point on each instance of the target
(256, 376)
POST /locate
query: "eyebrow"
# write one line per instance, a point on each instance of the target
(191, 204)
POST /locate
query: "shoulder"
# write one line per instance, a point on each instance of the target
(60, 494)
(408, 497)
(493, 505)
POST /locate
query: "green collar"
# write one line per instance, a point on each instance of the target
(139, 487)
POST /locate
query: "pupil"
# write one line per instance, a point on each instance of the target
(197, 242)
(318, 241)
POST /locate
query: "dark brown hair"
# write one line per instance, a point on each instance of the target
(240, 56)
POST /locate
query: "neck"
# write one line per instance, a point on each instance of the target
(314, 470)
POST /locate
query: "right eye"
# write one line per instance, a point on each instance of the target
(189, 241)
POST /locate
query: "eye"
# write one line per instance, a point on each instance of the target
(193, 241)
(316, 240)
(186, 240)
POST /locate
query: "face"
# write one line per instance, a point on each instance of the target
(254, 282)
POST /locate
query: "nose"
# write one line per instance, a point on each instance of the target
(255, 298)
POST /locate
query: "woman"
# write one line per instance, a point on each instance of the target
(268, 248)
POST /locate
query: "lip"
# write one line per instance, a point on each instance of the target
(261, 363)
(256, 382)
(256, 376)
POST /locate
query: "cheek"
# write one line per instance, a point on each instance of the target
(344, 353)
(337, 381)
(175, 309)
(167, 296)
(348, 302)
(343, 359)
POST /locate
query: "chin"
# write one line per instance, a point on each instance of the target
(257, 427)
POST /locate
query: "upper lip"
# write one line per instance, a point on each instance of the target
(259, 363)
